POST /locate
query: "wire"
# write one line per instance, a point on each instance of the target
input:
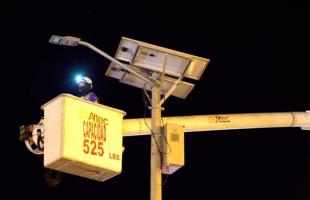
(166, 179)
(146, 94)
(147, 103)
(162, 124)
(166, 140)
(144, 116)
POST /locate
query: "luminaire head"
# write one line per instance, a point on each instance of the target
(64, 40)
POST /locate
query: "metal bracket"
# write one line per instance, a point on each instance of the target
(170, 91)
(161, 108)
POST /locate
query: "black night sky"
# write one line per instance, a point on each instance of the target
(259, 59)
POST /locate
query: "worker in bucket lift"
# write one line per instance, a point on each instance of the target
(85, 89)
(85, 84)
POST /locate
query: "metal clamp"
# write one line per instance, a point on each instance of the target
(161, 108)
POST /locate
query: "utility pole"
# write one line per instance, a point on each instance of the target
(156, 178)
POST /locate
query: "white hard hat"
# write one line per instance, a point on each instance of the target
(86, 79)
(83, 79)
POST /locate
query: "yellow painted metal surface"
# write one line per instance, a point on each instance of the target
(83, 138)
(173, 148)
(195, 123)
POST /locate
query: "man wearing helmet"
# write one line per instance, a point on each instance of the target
(85, 84)
(85, 87)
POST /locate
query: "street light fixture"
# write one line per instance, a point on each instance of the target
(66, 41)
(75, 41)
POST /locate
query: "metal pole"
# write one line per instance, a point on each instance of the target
(195, 123)
(156, 182)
